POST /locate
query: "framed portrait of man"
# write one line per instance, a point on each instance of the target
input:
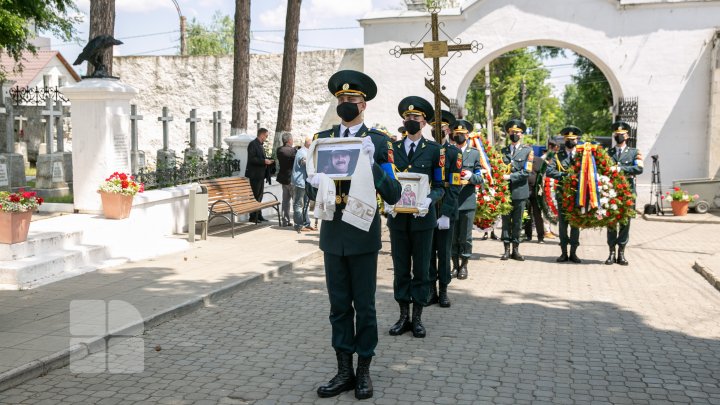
(415, 188)
(336, 157)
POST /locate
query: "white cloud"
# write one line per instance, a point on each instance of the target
(331, 9)
(142, 6)
(275, 17)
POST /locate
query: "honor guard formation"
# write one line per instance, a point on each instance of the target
(429, 193)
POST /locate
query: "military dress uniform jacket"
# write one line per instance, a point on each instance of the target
(630, 162)
(521, 165)
(468, 195)
(448, 205)
(558, 166)
(428, 159)
(340, 238)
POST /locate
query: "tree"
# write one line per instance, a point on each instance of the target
(215, 39)
(17, 18)
(241, 68)
(588, 100)
(287, 81)
(102, 22)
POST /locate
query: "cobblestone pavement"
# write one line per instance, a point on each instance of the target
(517, 333)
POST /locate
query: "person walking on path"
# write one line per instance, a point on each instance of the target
(350, 253)
(286, 159)
(628, 161)
(300, 199)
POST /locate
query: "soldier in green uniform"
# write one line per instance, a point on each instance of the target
(411, 234)
(557, 169)
(520, 158)
(447, 216)
(628, 161)
(350, 253)
(470, 176)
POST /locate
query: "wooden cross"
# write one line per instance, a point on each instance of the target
(50, 113)
(165, 118)
(435, 50)
(193, 120)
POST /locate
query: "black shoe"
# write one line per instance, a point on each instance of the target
(528, 238)
(485, 236)
(506, 255)
(343, 381)
(443, 299)
(462, 273)
(418, 329)
(262, 219)
(456, 267)
(433, 295)
(516, 253)
(492, 236)
(611, 258)
(363, 387)
(621, 256)
(541, 241)
(564, 256)
(403, 324)
(573, 256)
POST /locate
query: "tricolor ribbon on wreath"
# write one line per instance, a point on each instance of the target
(587, 196)
(485, 163)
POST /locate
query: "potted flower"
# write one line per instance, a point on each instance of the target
(15, 213)
(679, 200)
(117, 192)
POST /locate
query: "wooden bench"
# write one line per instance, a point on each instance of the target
(229, 197)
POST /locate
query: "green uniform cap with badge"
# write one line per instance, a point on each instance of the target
(461, 127)
(446, 118)
(515, 125)
(417, 106)
(352, 82)
(620, 127)
(571, 132)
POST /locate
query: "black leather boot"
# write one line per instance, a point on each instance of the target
(611, 258)
(463, 271)
(621, 256)
(433, 295)
(516, 253)
(564, 256)
(343, 381)
(418, 329)
(443, 297)
(403, 324)
(573, 255)
(506, 255)
(363, 388)
(456, 267)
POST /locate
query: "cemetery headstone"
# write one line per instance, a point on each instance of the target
(12, 165)
(165, 156)
(54, 169)
(192, 152)
(137, 157)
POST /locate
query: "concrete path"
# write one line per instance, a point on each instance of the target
(534, 332)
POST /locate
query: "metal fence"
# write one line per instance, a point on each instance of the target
(187, 172)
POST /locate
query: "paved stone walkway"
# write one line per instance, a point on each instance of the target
(517, 333)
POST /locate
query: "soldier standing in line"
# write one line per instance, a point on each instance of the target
(558, 169)
(520, 158)
(470, 176)
(628, 161)
(411, 234)
(351, 254)
(448, 207)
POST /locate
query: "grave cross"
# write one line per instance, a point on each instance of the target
(134, 118)
(9, 136)
(214, 125)
(21, 119)
(60, 134)
(257, 121)
(436, 49)
(165, 118)
(193, 120)
(50, 113)
(220, 121)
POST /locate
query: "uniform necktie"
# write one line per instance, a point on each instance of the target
(512, 150)
(412, 151)
(619, 152)
(346, 134)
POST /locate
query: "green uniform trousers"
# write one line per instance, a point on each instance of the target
(440, 258)
(619, 237)
(574, 239)
(462, 234)
(351, 282)
(512, 222)
(411, 250)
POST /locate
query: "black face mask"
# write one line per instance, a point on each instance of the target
(460, 139)
(412, 127)
(619, 139)
(514, 138)
(347, 111)
(570, 143)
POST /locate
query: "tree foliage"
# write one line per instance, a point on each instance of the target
(588, 100)
(215, 38)
(19, 17)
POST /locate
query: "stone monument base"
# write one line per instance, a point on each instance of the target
(165, 159)
(212, 151)
(54, 175)
(12, 171)
(21, 148)
(193, 153)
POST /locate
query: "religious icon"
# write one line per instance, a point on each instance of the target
(415, 188)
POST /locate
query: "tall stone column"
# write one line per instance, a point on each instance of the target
(100, 117)
(714, 119)
(238, 146)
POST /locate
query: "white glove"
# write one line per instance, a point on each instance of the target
(389, 209)
(506, 177)
(483, 171)
(443, 222)
(314, 180)
(467, 175)
(616, 169)
(423, 207)
(368, 147)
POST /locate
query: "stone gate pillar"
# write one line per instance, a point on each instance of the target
(714, 119)
(100, 117)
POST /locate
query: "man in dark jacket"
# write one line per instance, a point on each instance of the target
(255, 171)
(286, 160)
(533, 207)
